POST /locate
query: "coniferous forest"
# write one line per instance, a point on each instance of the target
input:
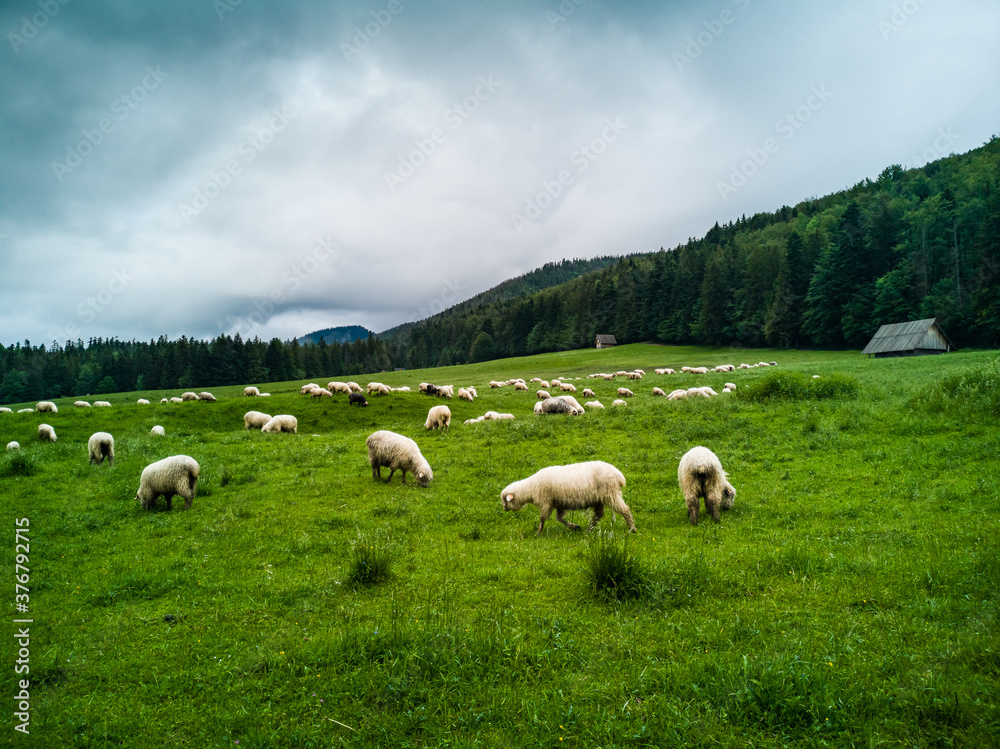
(825, 273)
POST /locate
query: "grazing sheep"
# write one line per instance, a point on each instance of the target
(544, 384)
(588, 393)
(281, 423)
(494, 384)
(536, 379)
(430, 389)
(554, 383)
(26, 410)
(446, 391)
(744, 366)
(594, 404)
(206, 397)
(162, 400)
(625, 393)
(439, 417)
(374, 387)
(304, 390)
(521, 386)
(5, 410)
(355, 387)
(700, 474)
(506, 417)
(320, 393)
(465, 394)
(397, 453)
(677, 395)
(608, 376)
(177, 474)
(696, 392)
(577, 408)
(381, 389)
(251, 392)
(404, 389)
(730, 385)
(142, 402)
(634, 376)
(542, 395)
(46, 432)
(567, 387)
(593, 485)
(46, 407)
(658, 391)
(188, 396)
(13, 445)
(255, 419)
(175, 399)
(338, 387)
(357, 398)
(84, 404)
(619, 402)
(101, 445)
(708, 391)
(102, 404)
(265, 395)
(491, 416)
(157, 431)
(554, 406)
(774, 364)
(471, 389)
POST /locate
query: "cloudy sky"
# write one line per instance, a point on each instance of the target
(199, 168)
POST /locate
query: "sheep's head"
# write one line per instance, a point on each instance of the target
(424, 477)
(510, 500)
(728, 495)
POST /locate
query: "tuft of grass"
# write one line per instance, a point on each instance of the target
(796, 386)
(974, 389)
(612, 571)
(371, 561)
(18, 463)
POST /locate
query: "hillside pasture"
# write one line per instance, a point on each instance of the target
(849, 598)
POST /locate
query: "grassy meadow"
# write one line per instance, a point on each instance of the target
(849, 599)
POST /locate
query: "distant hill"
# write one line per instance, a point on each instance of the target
(549, 275)
(343, 334)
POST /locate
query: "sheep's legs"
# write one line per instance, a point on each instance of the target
(629, 520)
(571, 526)
(598, 514)
(170, 503)
(392, 471)
(712, 502)
(692, 505)
(542, 517)
(376, 472)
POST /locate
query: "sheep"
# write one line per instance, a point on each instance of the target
(577, 408)
(815, 377)
(397, 453)
(730, 385)
(621, 373)
(554, 383)
(355, 387)
(471, 389)
(588, 393)
(5, 410)
(255, 419)
(658, 391)
(625, 393)
(26, 410)
(465, 395)
(84, 404)
(46, 407)
(175, 399)
(634, 376)
(12, 445)
(544, 384)
(189, 396)
(382, 389)
(567, 387)
(281, 423)
(101, 445)
(374, 387)
(708, 391)
(46, 432)
(177, 474)
(686, 370)
(404, 389)
(744, 365)
(700, 474)
(677, 395)
(542, 395)
(536, 379)
(357, 398)
(520, 386)
(206, 397)
(446, 391)
(506, 417)
(594, 404)
(439, 417)
(619, 402)
(142, 402)
(696, 392)
(102, 404)
(494, 384)
(763, 364)
(554, 406)
(608, 376)
(774, 364)
(338, 387)
(162, 400)
(265, 395)
(251, 392)
(304, 390)
(320, 393)
(593, 485)
(699, 370)
(491, 416)
(157, 431)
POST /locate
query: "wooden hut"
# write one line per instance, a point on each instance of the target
(605, 341)
(914, 338)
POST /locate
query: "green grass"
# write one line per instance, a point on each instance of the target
(849, 598)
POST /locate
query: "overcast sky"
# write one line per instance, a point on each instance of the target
(198, 168)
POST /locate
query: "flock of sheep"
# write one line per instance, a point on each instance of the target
(591, 485)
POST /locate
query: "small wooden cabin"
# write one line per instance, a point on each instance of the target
(605, 341)
(914, 338)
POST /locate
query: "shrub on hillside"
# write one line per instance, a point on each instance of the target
(976, 388)
(18, 463)
(788, 385)
(612, 571)
(371, 561)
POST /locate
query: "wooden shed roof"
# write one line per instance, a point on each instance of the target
(907, 336)
(601, 338)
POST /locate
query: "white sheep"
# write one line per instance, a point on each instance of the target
(567, 387)
(320, 393)
(101, 445)
(157, 431)
(162, 400)
(490, 416)
(304, 390)
(251, 392)
(265, 395)
(255, 419)
(544, 385)
(493, 384)
(446, 391)
(281, 423)
(542, 395)
(625, 393)
(695, 392)
(373, 387)
(774, 364)
(5, 410)
(554, 406)
(730, 385)
(577, 408)
(188, 396)
(404, 389)
(439, 417)
(554, 383)
(465, 394)
(621, 373)
(46, 432)
(588, 393)
(506, 417)
(634, 376)
(175, 399)
(26, 410)
(619, 402)
(608, 376)
(536, 379)
(397, 453)
(658, 391)
(142, 402)
(471, 389)
(593, 485)
(206, 397)
(13, 446)
(677, 395)
(338, 387)
(46, 407)
(177, 474)
(355, 387)
(594, 404)
(700, 474)
(521, 386)
(102, 404)
(81, 404)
